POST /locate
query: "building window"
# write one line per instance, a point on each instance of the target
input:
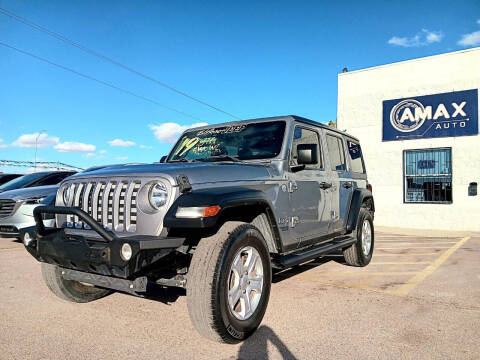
(428, 176)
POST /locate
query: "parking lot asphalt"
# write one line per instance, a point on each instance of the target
(418, 299)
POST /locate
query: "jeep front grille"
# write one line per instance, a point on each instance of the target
(6, 207)
(113, 204)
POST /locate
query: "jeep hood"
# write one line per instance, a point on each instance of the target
(197, 172)
(27, 193)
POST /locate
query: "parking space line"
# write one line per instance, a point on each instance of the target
(416, 254)
(412, 247)
(400, 263)
(411, 284)
(377, 273)
(414, 242)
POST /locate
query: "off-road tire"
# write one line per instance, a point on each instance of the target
(207, 283)
(354, 255)
(70, 290)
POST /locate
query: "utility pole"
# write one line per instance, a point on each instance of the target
(36, 142)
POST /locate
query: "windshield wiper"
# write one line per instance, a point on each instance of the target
(221, 158)
(182, 160)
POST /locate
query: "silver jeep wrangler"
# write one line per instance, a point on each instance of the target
(228, 205)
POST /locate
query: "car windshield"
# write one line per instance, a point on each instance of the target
(21, 181)
(234, 142)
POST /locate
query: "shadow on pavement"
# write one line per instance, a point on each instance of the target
(162, 294)
(255, 347)
(168, 295)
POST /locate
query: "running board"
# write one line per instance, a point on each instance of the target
(290, 260)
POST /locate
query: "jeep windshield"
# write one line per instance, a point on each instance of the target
(230, 143)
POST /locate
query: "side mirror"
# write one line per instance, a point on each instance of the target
(307, 154)
(297, 168)
(163, 159)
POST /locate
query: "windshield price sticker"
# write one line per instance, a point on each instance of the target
(225, 130)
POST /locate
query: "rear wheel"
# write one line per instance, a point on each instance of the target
(228, 283)
(70, 290)
(360, 253)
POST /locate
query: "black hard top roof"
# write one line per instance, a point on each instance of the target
(315, 123)
(284, 117)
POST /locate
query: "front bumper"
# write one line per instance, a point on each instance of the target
(102, 257)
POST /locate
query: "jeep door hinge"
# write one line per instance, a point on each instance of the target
(292, 186)
(294, 221)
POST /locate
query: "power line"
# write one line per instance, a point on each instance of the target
(40, 164)
(110, 60)
(99, 81)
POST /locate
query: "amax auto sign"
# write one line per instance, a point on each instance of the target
(440, 115)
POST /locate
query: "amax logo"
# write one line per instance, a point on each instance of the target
(439, 115)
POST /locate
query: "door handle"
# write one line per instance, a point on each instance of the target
(324, 185)
(347, 185)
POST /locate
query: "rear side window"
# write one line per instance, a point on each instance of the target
(356, 157)
(336, 153)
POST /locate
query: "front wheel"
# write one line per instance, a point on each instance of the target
(70, 290)
(228, 284)
(360, 252)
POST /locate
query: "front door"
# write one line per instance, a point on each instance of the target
(309, 207)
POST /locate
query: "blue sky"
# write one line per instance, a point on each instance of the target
(250, 58)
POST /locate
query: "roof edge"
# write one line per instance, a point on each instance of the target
(423, 58)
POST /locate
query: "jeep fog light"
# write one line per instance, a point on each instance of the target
(27, 238)
(126, 252)
(197, 212)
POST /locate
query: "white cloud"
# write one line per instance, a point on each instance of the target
(42, 140)
(121, 143)
(471, 39)
(422, 38)
(169, 132)
(89, 155)
(122, 158)
(2, 145)
(103, 152)
(478, 21)
(146, 147)
(433, 37)
(70, 146)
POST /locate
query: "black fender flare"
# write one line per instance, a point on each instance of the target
(227, 198)
(359, 196)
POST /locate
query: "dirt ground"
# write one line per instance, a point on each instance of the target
(418, 299)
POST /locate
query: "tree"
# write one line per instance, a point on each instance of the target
(332, 123)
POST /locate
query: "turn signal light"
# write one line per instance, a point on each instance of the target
(369, 187)
(211, 211)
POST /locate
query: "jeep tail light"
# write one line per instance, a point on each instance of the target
(369, 187)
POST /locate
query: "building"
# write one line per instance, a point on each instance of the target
(418, 124)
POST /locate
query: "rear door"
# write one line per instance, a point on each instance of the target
(340, 179)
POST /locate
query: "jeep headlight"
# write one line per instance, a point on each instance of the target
(157, 195)
(65, 193)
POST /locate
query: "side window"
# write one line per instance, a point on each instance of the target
(356, 157)
(336, 153)
(306, 142)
